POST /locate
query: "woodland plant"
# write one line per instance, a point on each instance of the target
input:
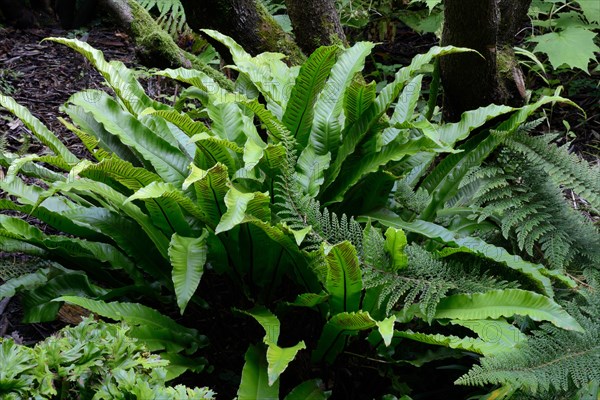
(93, 360)
(265, 186)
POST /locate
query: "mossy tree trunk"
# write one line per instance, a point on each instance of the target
(471, 80)
(316, 23)
(154, 46)
(247, 21)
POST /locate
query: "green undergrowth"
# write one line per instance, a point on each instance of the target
(304, 220)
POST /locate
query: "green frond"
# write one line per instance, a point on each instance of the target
(552, 360)
(117, 75)
(299, 113)
(171, 15)
(424, 282)
(532, 210)
(565, 169)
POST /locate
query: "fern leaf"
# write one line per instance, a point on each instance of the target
(299, 113)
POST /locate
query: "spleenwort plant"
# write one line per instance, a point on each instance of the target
(307, 189)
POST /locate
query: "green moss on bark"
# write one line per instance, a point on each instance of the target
(275, 38)
(154, 43)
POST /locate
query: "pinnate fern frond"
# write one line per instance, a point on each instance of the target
(425, 281)
(171, 15)
(532, 211)
(552, 360)
(563, 168)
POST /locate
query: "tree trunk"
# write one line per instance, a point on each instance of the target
(470, 80)
(246, 21)
(316, 23)
(18, 13)
(154, 46)
(513, 15)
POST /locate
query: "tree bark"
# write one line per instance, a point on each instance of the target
(246, 21)
(316, 23)
(17, 13)
(471, 81)
(154, 46)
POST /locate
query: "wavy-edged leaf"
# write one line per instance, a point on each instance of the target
(358, 166)
(326, 129)
(309, 390)
(170, 133)
(162, 207)
(29, 281)
(395, 243)
(309, 300)
(471, 120)
(267, 73)
(114, 168)
(333, 338)
(10, 245)
(31, 170)
(116, 74)
(277, 131)
(227, 122)
(344, 278)
(65, 247)
(39, 130)
(116, 200)
(211, 89)
(355, 132)
(239, 206)
(180, 120)
(255, 377)
(39, 304)
(357, 99)
(58, 220)
(151, 321)
(168, 161)
(188, 256)
(171, 210)
(213, 150)
(51, 211)
(89, 141)
(129, 236)
(405, 108)
(505, 303)
(299, 113)
(237, 52)
(279, 358)
(268, 321)
(495, 331)
(311, 170)
(108, 143)
(474, 345)
(211, 187)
